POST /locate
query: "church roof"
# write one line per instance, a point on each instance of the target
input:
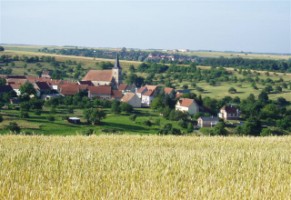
(116, 64)
(98, 75)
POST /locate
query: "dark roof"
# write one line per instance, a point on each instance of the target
(16, 77)
(43, 85)
(116, 64)
(210, 118)
(89, 83)
(5, 88)
(229, 109)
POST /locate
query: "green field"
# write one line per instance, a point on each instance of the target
(117, 123)
(144, 167)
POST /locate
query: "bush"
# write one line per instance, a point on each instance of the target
(88, 132)
(23, 114)
(133, 117)
(232, 90)
(1, 118)
(266, 132)
(13, 127)
(37, 112)
(51, 118)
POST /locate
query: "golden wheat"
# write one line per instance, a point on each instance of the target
(144, 167)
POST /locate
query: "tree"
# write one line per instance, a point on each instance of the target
(157, 103)
(1, 118)
(278, 89)
(2, 81)
(232, 90)
(125, 107)
(2, 48)
(27, 88)
(263, 97)
(115, 108)
(219, 129)
(93, 115)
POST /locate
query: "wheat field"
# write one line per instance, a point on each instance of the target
(144, 167)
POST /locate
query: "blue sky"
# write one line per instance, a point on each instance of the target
(257, 26)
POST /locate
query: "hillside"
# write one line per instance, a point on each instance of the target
(144, 167)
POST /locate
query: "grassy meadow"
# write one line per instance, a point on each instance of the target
(117, 123)
(144, 167)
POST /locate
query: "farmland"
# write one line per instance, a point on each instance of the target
(144, 167)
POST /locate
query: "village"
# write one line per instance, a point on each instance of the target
(108, 85)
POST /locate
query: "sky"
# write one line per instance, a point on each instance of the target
(218, 25)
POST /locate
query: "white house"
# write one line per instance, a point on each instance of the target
(229, 113)
(147, 98)
(187, 105)
(207, 121)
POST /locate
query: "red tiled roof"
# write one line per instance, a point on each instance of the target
(149, 93)
(69, 89)
(122, 86)
(127, 97)
(98, 75)
(168, 90)
(142, 89)
(151, 87)
(116, 94)
(185, 102)
(15, 86)
(100, 90)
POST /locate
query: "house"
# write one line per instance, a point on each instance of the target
(147, 94)
(124, 88)
(16, 88)
(229, 113)
(207, 121)
(69, 89)
(88, 83)
(101, 91)
(187, 105)
(116, 94)
(147, 98)
(42, 88)
(16, 80)
(111, 77)
(168, 90)
(132, 99)
(141, 91)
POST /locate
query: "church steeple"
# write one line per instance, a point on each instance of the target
(117, 72)
(116, 64)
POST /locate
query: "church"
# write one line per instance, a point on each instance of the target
(111, 77)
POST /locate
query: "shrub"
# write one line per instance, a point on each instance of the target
(133, 117)
(13, 127)
(51, 118)
(88, 132)
(23, 114)
(232, 90)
